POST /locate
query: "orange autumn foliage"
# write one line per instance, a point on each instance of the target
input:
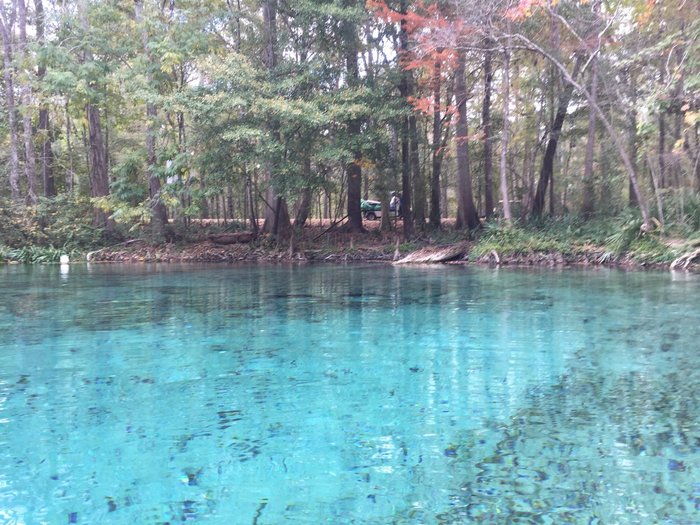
(434, 36)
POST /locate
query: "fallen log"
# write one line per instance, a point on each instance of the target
(232, 238)
(436, 255)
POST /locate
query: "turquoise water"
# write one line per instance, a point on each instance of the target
(362, 394)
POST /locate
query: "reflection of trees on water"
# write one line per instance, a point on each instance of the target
(624, 456)
(398, 380)
(612, 441)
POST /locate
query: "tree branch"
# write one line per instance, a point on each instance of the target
(624, 156)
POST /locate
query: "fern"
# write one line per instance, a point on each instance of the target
(620, 242)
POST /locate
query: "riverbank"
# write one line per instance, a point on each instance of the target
(213, 253)
(555, 244)
(494, 246)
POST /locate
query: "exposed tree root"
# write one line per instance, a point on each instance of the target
(436, 255)
(685, 259)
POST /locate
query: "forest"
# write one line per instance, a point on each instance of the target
(486, 116)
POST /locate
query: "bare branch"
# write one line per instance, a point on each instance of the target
(624, 156)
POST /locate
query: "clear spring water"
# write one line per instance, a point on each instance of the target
(362, 394)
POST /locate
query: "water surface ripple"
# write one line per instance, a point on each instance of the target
(361, 394)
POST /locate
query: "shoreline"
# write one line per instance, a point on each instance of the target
(497, 247)
(207, 252)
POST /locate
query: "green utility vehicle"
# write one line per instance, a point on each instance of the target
(371, 210)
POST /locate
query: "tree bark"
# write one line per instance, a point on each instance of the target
(26, 97)
(661, 178)
(417, 179)
(47, 157)
(587, 206)
(70, 175)
(97, 152)
(487, 129)
(158, 209)
(304, 207)
(467, 216)
(99, 181)
(612, 134)
(44, 124)
(437, 150)
(506, 129)
(385, 183)
(277, 221)
(657, 193)
(547, 169)
(694, 155)
(354, 168)
(632, 134)
(405, 153)
(678, 113)
(8, 75)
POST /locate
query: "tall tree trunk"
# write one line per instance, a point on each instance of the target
(632, 134)
(385, 183)
(678, 114)
(486, 126)
(657, 193)
(661, 177)
(305, 204)
(230, 203)
(99, 181)
(611, 132)
(467, 216)
(691, 147)
(694, 155)
(238, 25)
(158, 209)
(547, 169)
(8, 75)
(277, 221)
(250, 198)
(505, 198)
(46, 154)
(418, 182)
(354, 168)
(97, 152)
(70, 175)
(437, 150)
(405, 154)
(587, 206)
(26, 97)
(44, 124)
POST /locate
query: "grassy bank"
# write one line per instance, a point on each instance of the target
(613, 241)
(62, 227)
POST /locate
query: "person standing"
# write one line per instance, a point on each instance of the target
(395, 204)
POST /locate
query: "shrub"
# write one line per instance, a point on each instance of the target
(516, 240)
(620, 241)
(36, 254)
(64, 221)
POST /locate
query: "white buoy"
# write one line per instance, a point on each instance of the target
(64, 259)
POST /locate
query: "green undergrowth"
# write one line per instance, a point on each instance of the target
(63, 225)
(36, 254)
(516, 240)
(607, 240)
(63, 221)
